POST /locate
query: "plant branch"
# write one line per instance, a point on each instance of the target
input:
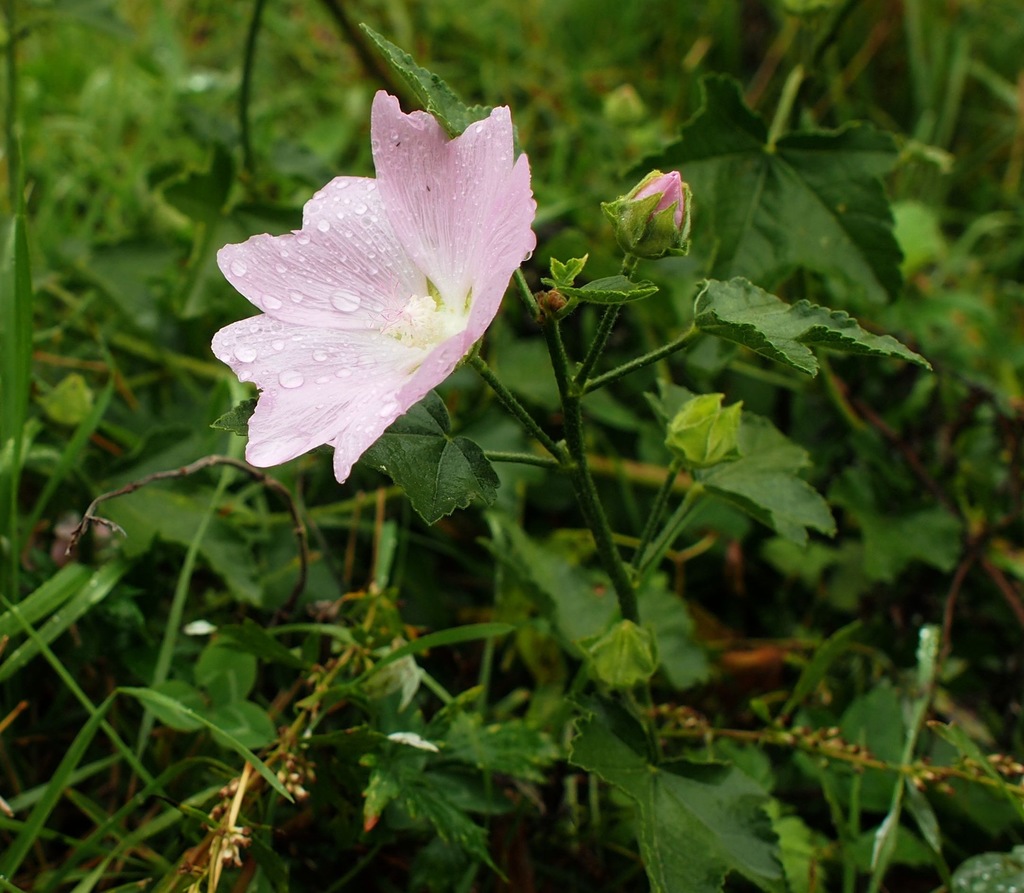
(640, 362)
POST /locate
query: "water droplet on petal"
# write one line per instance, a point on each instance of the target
(271, 303)
(323, 225)
(244, 353)
(278, 344)
(344, 302)
(290, 379)
(319, 355)
(387, 410)
(281, 268)
(343, 373)
(296, 296)
(360, 208)
(323, 379)
(238, 268)
(302, 238)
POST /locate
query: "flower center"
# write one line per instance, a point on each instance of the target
(426, 321)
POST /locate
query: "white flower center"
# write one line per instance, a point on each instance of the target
(426, 321)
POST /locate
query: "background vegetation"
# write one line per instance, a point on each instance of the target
(137, 677)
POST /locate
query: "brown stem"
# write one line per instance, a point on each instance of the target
(90, 516)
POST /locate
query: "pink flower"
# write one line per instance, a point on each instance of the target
(670, 189)
(384, 289)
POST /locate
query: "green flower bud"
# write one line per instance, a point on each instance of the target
(703, 434)
(653, 219)
(622, 657)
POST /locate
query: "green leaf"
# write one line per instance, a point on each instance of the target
(254, 639)
(826, 654)
(990, 873)
(179, 695)
(201, 195)
(696, 822)
(763, 482)
(611, 290)
(813, 200)
(565, 273)
(433, 93)
(236, 419)
(226, 674)
(155, 700)
(175, 516)
(439, 473)
(970, 752)
(740, 311)
(680, 658)
(512, 747)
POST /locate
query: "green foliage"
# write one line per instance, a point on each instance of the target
(552, 656)
(438, 472)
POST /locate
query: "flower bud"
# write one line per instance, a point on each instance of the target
(703, 434)
(653, 219)
(623, 656)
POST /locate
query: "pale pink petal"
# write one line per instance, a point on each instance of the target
(344, 269)
(318, 385)
(445, 198)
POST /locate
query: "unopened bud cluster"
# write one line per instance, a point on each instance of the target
(703, 434)
(295, 774)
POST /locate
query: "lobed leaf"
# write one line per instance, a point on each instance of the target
(610, 290)
(811, 200)
(739, 311)
(438, 472)
(696, 822)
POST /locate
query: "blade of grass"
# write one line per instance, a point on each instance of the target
(87, 596)
(15, 372)
(47, 598)
(11, 860)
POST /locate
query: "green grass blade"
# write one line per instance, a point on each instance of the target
(87, 596)
(15, 373)
(11, 860)
(46, 599)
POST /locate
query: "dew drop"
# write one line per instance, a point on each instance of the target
(344, 373)
(296, 296)
(277, 345)
(360, 208)
(244, 375)
(290, 379)
(319, 355)
(323, 225)
(281, 268)
(245, 354)
(302, 238)
(271, 303)
(387, 409)
(323, 379)
(371, 186)
(394, 135)
(238, 268)
(344, 302)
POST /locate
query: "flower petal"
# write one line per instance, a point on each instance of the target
(343, 270)
(318, 386)
(460, 208)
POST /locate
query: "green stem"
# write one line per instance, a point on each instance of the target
(656, 551)
(785, 107)
(524, 292)
(583, 481)
(245, 93)
(604, 329)
(640, 362)
(509, 401)
(521, 458)
(657, 510)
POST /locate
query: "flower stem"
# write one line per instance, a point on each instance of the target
(785, 106)
(509, 401)
(524, 292)
(657, 510)
(245, 92)
(604, 329)
(583, 481)
(640, 362)
(657, 549)
(521, 458)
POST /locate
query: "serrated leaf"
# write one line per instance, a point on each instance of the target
(763, 482)
(438, 472)
(611, 290)
(812, 200)
(696, 822)
(512, 747)
(236, 419)
(739, 311)
(433, 93)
